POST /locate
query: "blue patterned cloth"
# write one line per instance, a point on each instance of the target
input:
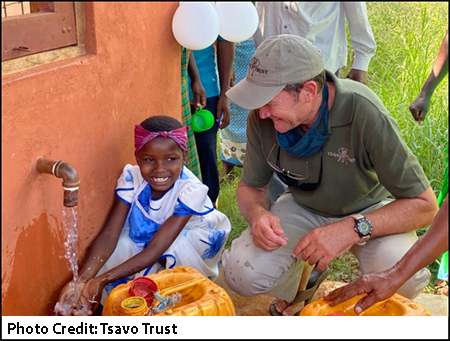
(233, 139)
(199, 245)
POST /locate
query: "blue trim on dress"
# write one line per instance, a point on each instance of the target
(123, 189)
(195, 212)
(123, 200)
(159, 259)
(182, 214)
(154, 209)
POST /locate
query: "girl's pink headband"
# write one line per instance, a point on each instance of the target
(142, 136)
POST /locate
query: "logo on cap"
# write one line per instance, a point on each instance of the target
(254, 63)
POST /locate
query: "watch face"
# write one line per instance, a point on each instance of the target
(364, 227)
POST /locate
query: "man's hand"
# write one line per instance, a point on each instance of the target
(358, 75)
(267, 231)
(325, 243)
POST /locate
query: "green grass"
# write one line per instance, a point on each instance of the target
(408, 36)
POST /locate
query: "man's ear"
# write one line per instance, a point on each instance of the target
(309, 90)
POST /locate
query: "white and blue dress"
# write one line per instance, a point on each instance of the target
(200, 243)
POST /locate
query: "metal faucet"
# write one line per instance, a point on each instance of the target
(65, 171)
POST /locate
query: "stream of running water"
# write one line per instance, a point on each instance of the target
(70, 246)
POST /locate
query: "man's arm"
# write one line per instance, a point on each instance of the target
(252, 200)
(254, 206)
(382, 285)
(404, 215)
(328, 242)
(361, 36)
(421, 105)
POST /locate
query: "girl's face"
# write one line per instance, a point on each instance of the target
(161, 161)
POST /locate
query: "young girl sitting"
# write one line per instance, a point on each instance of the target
(162, 217)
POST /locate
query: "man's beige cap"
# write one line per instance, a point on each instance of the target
(280, 60)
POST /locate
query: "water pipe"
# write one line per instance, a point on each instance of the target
(67, 172)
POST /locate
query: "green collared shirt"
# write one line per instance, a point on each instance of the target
(365, 158)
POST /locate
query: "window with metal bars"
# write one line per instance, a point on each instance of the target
(34, 27)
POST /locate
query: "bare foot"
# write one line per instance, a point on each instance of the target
(226, 170)
(442, 287)
(288, 310)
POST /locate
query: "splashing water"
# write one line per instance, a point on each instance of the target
(70, 245)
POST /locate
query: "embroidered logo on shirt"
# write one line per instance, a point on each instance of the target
(342, 155)
(254, 63)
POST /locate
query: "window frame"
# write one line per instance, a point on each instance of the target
(32, 33)
(32, 60)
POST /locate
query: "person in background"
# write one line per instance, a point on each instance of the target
(353, 182)
(233, 137)
(161, 217)
(419, 109)
(379, 286)
(323, 24)
(215, 79)
(188, 65)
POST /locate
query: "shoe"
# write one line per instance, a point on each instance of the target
(441, 287)
(316, 278)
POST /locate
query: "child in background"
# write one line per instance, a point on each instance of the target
(233, 138)
(162, 217)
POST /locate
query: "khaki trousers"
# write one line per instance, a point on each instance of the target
(249, 270)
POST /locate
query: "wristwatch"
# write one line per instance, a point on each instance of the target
(363, 228)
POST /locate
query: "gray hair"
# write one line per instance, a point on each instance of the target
(294, 89)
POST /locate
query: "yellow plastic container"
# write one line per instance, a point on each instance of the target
(396, 305)
(199, 295)
(134, 306)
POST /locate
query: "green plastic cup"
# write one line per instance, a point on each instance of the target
(202, 120)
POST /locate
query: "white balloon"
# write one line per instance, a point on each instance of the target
(195, 25)
(238, 20)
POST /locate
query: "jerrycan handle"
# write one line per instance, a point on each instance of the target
(182, 286)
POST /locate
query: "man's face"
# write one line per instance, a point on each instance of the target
(285, 111)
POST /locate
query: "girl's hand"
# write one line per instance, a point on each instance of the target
(67, 301)
(90, 297)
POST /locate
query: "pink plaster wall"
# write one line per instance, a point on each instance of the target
(82, 111)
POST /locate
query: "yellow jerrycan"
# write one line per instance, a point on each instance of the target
(199, 296)
(396, 305)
